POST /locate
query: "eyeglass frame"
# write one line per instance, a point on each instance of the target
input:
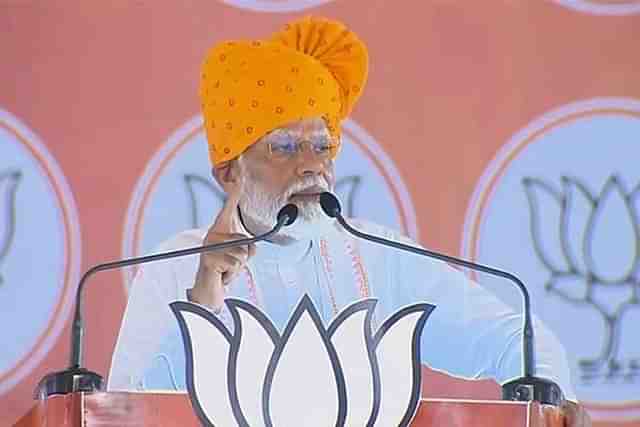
(331, 148)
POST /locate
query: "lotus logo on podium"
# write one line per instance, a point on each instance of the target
(309, 375)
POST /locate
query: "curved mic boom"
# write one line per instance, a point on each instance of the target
(77, 378)
(528, 387)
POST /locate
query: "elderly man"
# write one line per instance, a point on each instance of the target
(272, 112)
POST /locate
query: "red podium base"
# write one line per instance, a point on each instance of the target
(174, 410)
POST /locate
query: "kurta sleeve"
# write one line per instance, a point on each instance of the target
(145, 323)
(471, 333)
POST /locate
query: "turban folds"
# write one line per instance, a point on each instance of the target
(313, 68)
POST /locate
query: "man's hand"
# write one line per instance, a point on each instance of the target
(572, 415)
(218, 268)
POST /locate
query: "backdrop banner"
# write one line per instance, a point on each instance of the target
(503, 131)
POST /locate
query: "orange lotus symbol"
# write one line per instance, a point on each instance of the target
(590, 244)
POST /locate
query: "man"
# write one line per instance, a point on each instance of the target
(272, 112)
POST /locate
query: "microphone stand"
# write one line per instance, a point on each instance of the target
(524, 389)
(76, 378)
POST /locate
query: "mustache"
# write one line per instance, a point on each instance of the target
(307, 183)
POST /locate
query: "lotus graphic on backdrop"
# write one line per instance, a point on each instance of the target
(308, 375)
(9, 180)
(573, 231)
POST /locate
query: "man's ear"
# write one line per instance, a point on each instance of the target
(226, 174)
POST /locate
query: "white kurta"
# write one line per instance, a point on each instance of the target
(470, 334)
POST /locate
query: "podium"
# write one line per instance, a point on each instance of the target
(123, 409)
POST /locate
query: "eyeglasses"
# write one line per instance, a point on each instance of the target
(286, 145)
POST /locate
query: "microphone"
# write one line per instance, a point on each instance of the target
(76, 378)
(524, 389)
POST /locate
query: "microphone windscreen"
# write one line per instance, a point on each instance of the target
(290, 211)
(330, 204)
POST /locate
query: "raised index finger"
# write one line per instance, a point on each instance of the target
(227, 220)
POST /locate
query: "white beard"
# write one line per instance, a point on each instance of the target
(262, 207)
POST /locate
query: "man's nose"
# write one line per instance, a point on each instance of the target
(309, 164)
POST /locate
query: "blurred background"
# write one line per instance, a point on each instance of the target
(504, 131)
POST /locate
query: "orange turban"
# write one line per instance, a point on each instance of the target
(313, 68)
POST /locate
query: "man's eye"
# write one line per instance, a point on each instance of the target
(289, 147)
(323, 144)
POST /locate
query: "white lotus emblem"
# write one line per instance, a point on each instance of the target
(343, 375)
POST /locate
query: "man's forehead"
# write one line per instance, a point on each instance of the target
(311, 125)
(301, 128)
